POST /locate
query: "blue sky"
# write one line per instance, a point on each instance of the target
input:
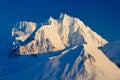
(103, 16)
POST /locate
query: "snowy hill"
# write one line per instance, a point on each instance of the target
(112, 51)
(55, 35)
(74, 63)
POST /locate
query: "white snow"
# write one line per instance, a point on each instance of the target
(20, 35)
(61, 33)
(23, 30)
(103, 66)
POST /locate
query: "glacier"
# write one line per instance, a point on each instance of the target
(61, 49)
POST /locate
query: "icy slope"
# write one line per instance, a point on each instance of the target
(74, 63)
(58, 34)
(112, 51)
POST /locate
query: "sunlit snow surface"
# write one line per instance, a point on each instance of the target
(30, 38)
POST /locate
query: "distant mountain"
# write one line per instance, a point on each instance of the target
(52, 36)
(112, 51)
(61, 49)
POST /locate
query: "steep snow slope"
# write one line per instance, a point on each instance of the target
(21, 34)
(58, 34)
(112, 51)
(73, 31)
(74, 63)
(22, 31)
(104, 67)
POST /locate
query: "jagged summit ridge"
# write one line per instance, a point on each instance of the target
(57, 35)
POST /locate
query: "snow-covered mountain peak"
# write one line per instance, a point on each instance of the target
(66, 49)
(23, 29)
(56, 35)
(51, 19)
(63, 15)
(52, 22)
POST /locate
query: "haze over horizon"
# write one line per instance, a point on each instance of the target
(102, 16)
